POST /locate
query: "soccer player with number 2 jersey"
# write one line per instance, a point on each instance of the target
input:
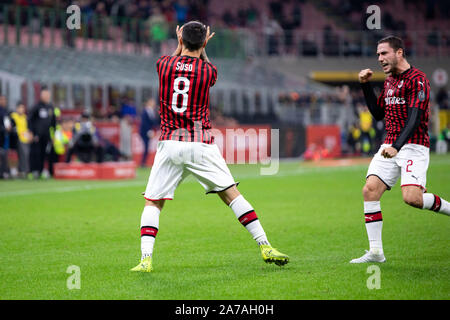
(404, 104)
(186, 145)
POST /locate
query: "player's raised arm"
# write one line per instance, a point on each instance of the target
(209, 36)
(371, 99)
(179, 48)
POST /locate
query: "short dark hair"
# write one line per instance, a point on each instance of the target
(85, 115)
(395, 43)
(194, 35)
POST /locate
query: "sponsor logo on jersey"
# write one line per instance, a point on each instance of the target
(394, 100)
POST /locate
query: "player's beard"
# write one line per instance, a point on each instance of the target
(393, 66)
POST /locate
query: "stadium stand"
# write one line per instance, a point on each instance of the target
(273, 56)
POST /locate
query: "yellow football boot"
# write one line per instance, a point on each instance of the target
(272, 255)
(144, 266)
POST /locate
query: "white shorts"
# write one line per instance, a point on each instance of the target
(411, 163)
(175, 160)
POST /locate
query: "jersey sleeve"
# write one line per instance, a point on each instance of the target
(159, 63)
(419, 93)
(214, 76)
(380, 101)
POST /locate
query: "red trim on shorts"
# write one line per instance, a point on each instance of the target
(417, 185)
(157, 199)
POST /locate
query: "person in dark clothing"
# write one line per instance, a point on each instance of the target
(85, 142)
(108, 151)
(40, 120)
(5, 128)
(149, 121)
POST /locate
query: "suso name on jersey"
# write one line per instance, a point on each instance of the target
(184, 66)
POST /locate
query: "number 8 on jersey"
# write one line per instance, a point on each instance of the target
(183, 92)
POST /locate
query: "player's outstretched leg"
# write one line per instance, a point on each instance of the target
(248, 218)
(415, 197)
(149, 230)
(372, 192)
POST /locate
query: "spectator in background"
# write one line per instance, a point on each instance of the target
(273, 33)
(168, 11)
(84, 143)
(182, 10)
(228, 19)
(442, 99)
(108, 150)
(297, 15)
(40, 120)
(433, 37)
(61, 139)
(158, 30)
(128, 108)
(23, 139)
(149, 121)
(330, 40)
(288, 25)
(353, 138)
(126, 134)
(443, 140)
(51, 152)
(5, 128)
(276, 8)
(367, 131)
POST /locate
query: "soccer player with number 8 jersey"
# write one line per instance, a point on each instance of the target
(404, 104)
(187, 146)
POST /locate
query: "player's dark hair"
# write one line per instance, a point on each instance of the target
(194, 35)
(395, 43)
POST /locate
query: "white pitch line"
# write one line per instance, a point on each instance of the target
(114, 185)
(72, 188)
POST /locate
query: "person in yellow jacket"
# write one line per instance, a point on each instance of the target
(24, 138)
(62, 136)
(367, 130)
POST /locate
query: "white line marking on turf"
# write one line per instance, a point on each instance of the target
(114, 185)
(73, 188)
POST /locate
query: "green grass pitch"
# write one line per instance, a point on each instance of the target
(315, 215)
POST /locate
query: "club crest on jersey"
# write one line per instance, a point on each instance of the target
(390, 92)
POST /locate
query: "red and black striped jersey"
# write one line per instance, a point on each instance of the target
(408, 89)
(184, 84)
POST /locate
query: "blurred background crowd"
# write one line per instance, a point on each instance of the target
(288, 64)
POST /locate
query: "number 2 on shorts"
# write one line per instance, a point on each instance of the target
(409, 163)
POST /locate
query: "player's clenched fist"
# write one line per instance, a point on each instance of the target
(364, 75)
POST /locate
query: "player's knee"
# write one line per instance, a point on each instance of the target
(369, 191)
(159, 204)
(413, 200)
